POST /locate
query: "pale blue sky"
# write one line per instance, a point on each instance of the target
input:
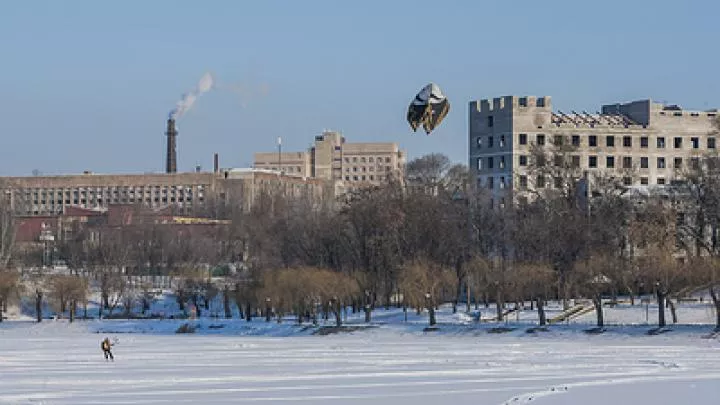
(88, 84)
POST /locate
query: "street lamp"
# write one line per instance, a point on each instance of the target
(267, 309)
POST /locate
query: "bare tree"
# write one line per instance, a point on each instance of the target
(67, 291)
(7, 226)
(425, 283)
(10, 287)
(534, 281)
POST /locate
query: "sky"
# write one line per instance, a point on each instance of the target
(87, 85)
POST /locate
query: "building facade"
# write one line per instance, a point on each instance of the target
(641, 142)
(182, 193)
(331, 158)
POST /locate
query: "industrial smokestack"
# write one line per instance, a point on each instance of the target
(171, 158)
(216, 163)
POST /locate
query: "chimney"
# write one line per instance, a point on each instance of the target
(216, 163)
(171, 158)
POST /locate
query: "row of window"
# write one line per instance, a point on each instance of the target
(610, 162)
(367, 169)
(541, 181)
(370, 159)
(627, 141)
(116, 200)
(364, 178)
(557, 182)
(575, 140)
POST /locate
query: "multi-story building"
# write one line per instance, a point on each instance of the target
(184, 193)
(331, 158)
(651, 140)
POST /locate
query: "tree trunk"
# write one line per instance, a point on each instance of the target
(248, 311)
(673, 312)
(338, 313)
(226, 302)
(368, 306)
(467, 298)
(716, 301)
(72, 311)
(597, 302)
(541, 311)
(1, 309)
(499, 307)
(661, 308)
(38, 305)
(105, 300)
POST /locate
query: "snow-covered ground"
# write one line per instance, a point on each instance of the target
(59, 363)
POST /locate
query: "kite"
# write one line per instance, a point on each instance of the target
(429, 108)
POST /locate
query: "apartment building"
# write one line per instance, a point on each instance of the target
(183, 193)
(642, 142)
(332, 158)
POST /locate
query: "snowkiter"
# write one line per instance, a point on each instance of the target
(105, 346)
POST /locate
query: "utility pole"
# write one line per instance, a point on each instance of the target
(279, 143)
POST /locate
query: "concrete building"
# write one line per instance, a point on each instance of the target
(641, 142)
(182, 193)
(331, 158)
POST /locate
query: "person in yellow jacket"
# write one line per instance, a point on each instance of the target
(106, 346)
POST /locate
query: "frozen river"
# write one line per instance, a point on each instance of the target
(47, 366)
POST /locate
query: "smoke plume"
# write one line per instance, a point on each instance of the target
(205, 84)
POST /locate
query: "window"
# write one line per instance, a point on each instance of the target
(627, 141)
(661, 142)
(661, 163)
(575, 161)
(644, 181)
(523, 182)
(558, 140)
(677, 162)
(491, 183)
(558, 182)
(610, 162)
(678, 142)
(660, 180)
(627, 180)
(502, 182)
(522, 160)
(610, 141)
(592, 161)
(627, 162)
(479, 163)
(479, 142)
(558, 160)
(592, 140)
(490, 121)
(540, 181)
(695, 142)
(522, 101)
(644, 162)
(490, 163)
(576, 140)
(502, 141)
(540, 160)
(711, 142)
(695, 163)
(540, 139)
(501, 163)
(491, 141)
(522, 139)
(643, 141)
